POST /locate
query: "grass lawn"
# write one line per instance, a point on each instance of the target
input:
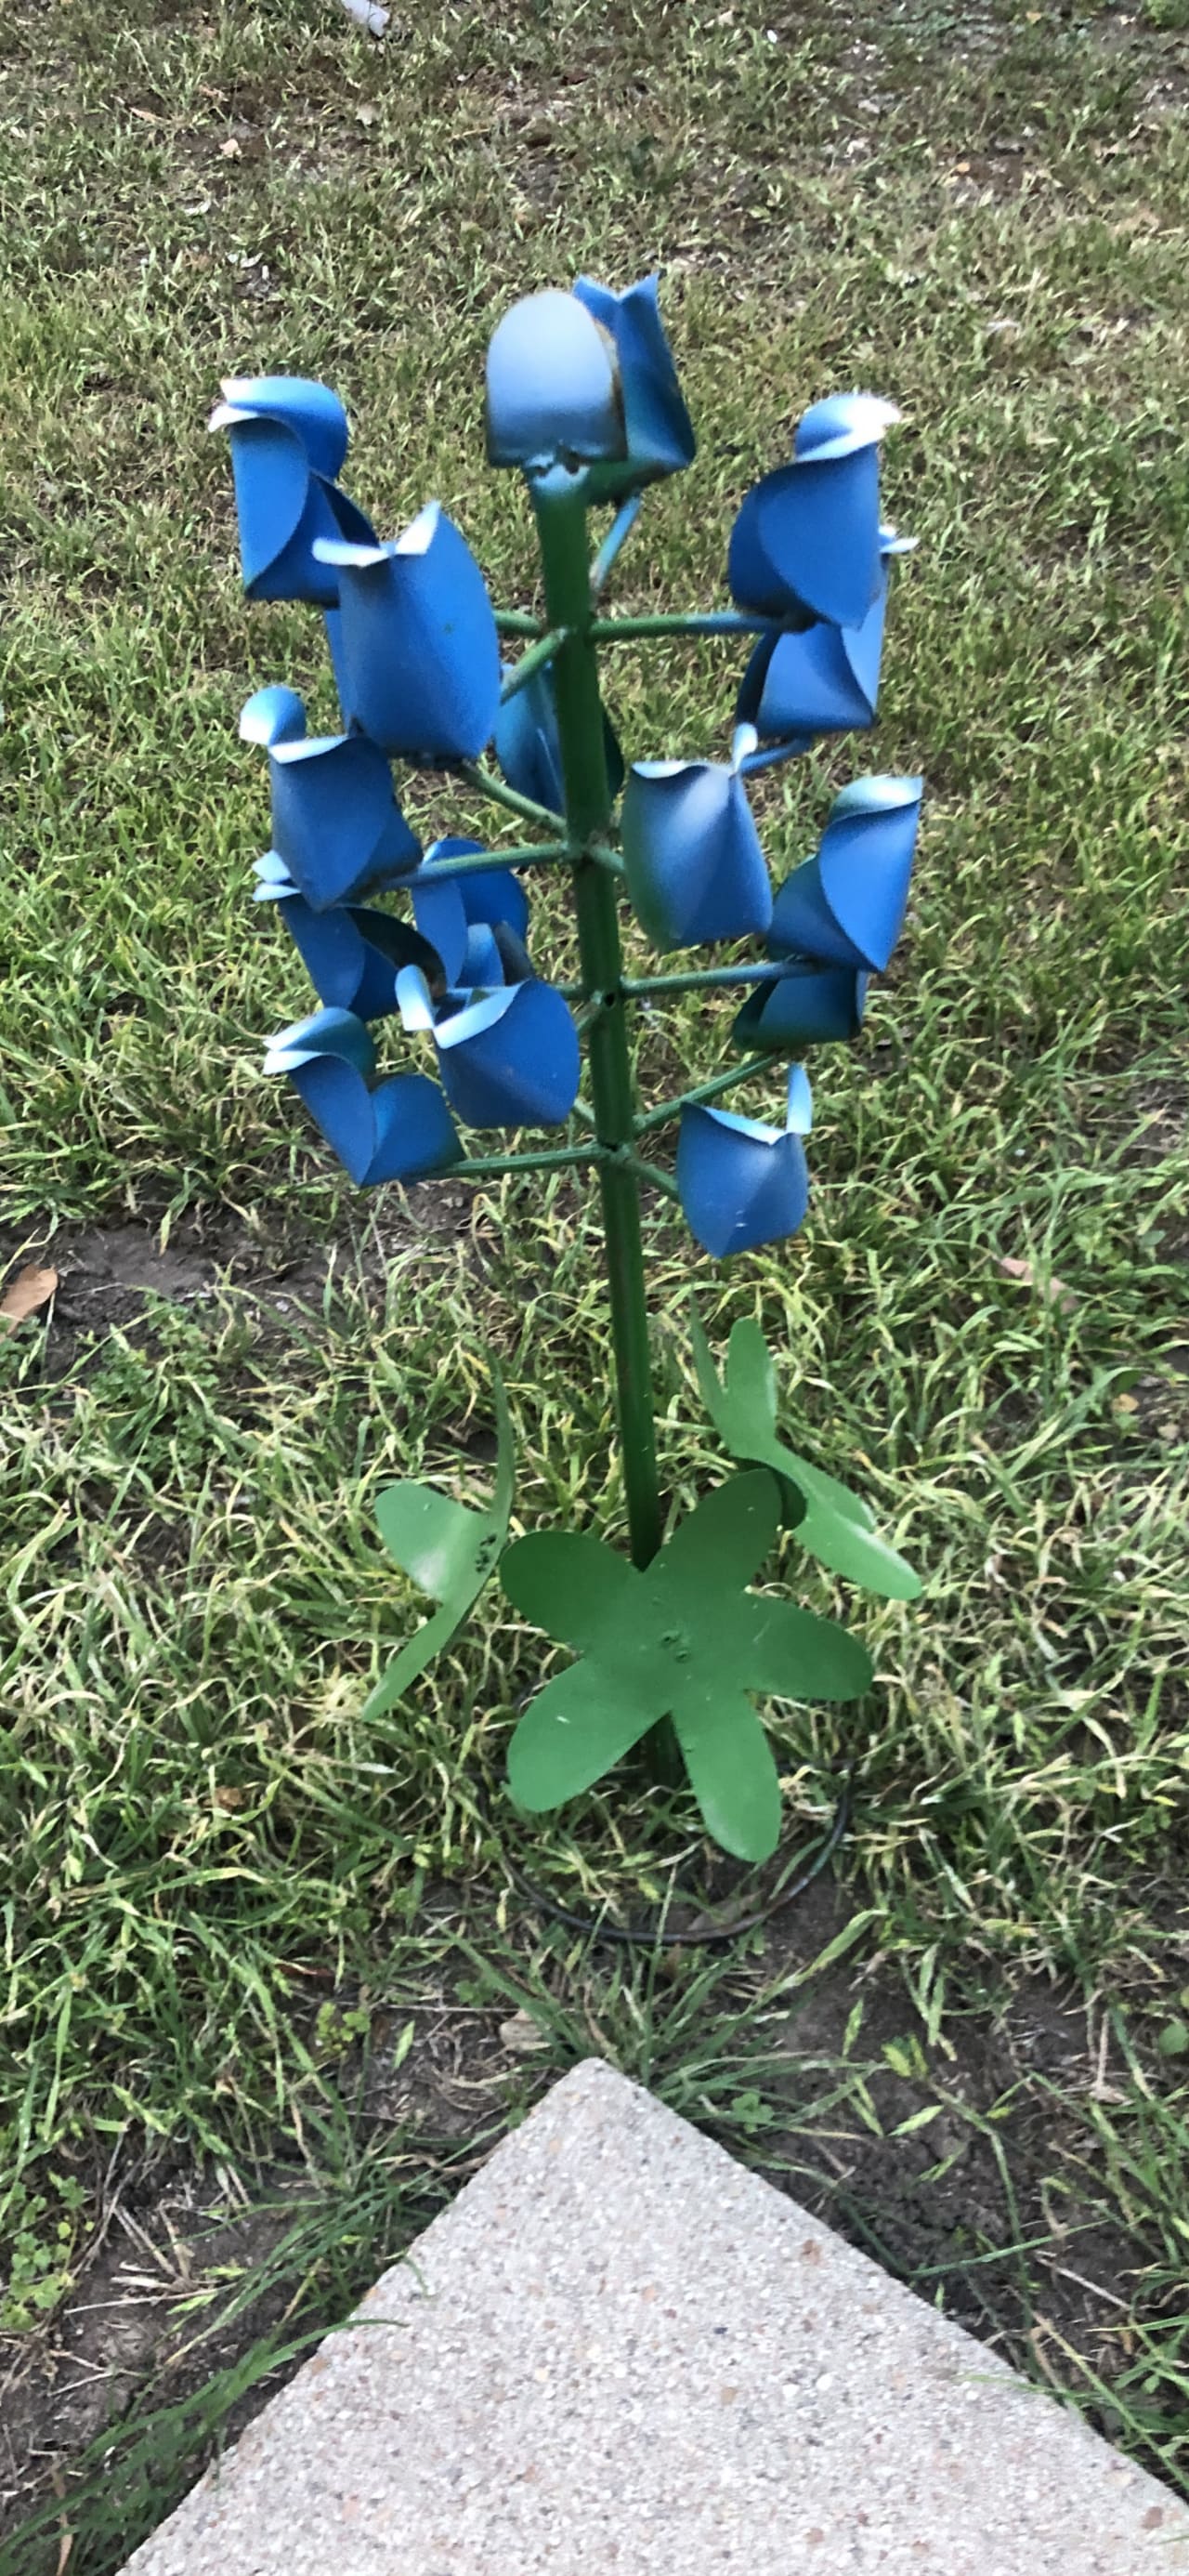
(270, 1981)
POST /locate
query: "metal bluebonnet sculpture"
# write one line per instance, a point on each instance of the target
(583, 397)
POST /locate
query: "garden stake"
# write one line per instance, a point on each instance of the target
(672, 1647)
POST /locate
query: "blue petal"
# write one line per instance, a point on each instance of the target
(863, 644)
(399, 1132)
(353, 956)
(285, 510)
(803, 924)
(440, 914)
(336, 823)
(300, 572)
(419, 643)
(414, 1001)
(806, 1006)
(491, 894)
(445, 913)
(552, 385)
(334, 637)
(482, 967)
(806, 540)
(799, 1113)
(695, 868)
(528, 745)
(740, 1183)
(288, 441)
(819, 529)
(275, 714)
(823, 680)
(272, 878)
(842, 424)
(398, 848)
(310, 410)
(337, 1033)
(865, 862)
(660, 434)
(754, 581)
(271, 472)
(512, 1058)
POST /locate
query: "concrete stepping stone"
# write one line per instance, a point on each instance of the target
(620, 2351)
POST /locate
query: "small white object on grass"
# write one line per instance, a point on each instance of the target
(368, 16)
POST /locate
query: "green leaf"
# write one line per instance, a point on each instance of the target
(831, 1522)
(568, 1583)
(860, 1555)
(795, 1655)
(414, 1656)
(742, 1404)
(731, 1766)
(427, 1533)
(720, 1545)
(575, 1729)
(448, 1550)
(685, 1637)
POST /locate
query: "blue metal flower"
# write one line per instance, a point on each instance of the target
(742, 1183)
(695, 869)
(509, 1057)
(845, 907)
(807, 680)
(448, 915)
(337, 828)
(806, 542)
(354, 955)
(288, 441)
(813, 680)
(804, 1006)
(400, 1131)
(528, 746)
(552, 386)
(418, 644)
(587, 379)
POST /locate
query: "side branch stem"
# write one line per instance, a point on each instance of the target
(718, 1083)
(725, 621)
(529, 663)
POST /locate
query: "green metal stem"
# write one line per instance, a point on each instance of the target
(551, 1158)
(719, 1082)
(518, 621)
(522, 671)
(490, 784)
(704, 979)
(621, 630)
(537, 854)
(605, 858)
(561, 521)
(655, 1177)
